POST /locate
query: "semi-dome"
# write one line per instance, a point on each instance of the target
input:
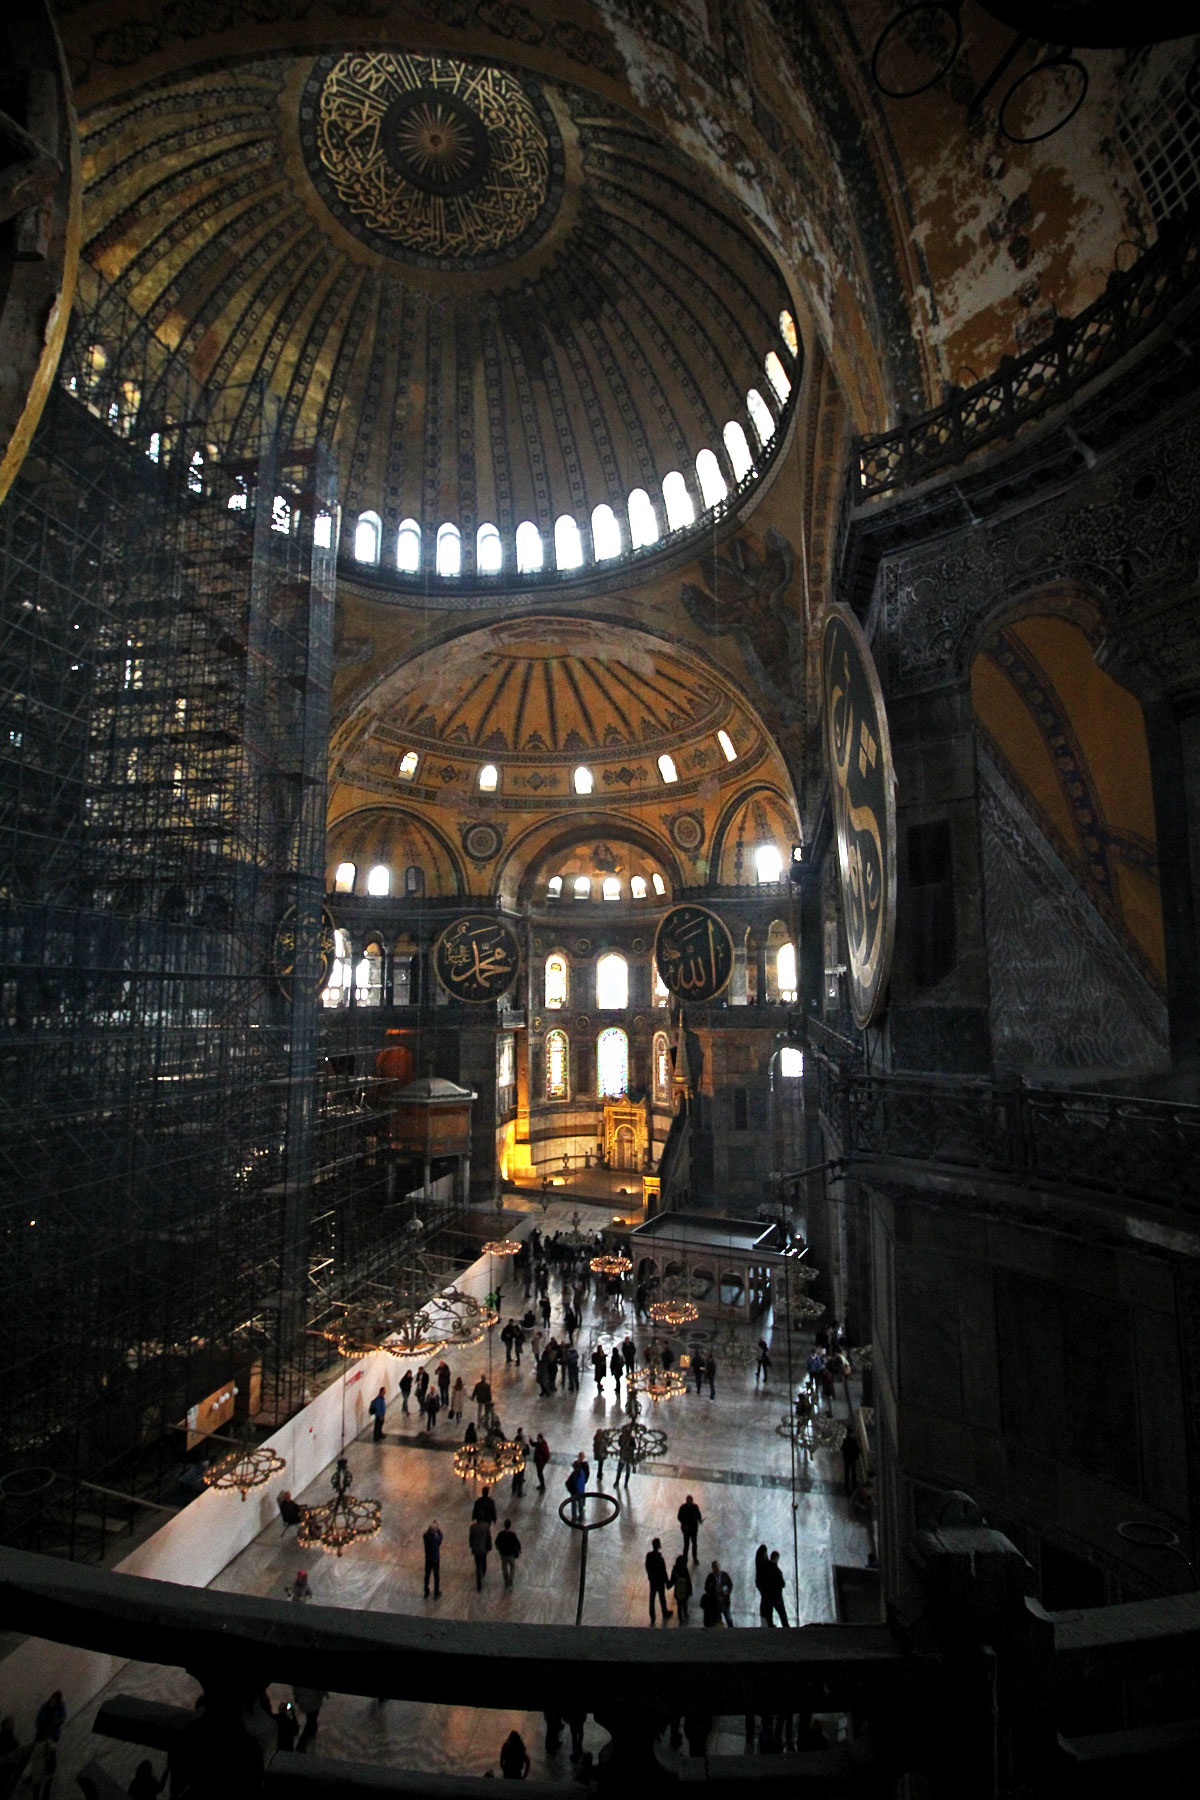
(507, 305)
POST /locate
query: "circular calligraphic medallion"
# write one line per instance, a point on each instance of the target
(863, 785)
(283, 951)
(687, 832)
(477, 958)
(694, 953)
(482, 841)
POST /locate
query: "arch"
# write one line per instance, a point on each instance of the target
(779, 941)
(533, 853)
(568, 543)
(610, 887)
(787, 331)
(408, 547)
(489, 550)
(737, 449)
(667, 769)
(398, 836)
(612, 982)
(369, 973)
(660, 1068)
(368, 534)
(660, 993)
(558, 980)
(677, 502)
(558, 1066)
(531, 551)
(343, 878)
(778, 377)
(379, 881)
(761, 416)
(449, 550)
(414, 879)
(612, 1063)
(606, 533)
(643, 522)
(339, 987)
(406, 768)
(583, 781)
(488, 779)
(753, 814)
(713, 487)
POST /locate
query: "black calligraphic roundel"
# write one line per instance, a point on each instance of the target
(863, 787)
(694, 953)
(477, 958)
(283, 952)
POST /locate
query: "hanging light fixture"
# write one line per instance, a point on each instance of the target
(654, 1378)
(606, 1264)
(490, 1457)
(642, 1443)
(342, 1521)
(803, 1272)
(674, 1313)
(730, 1345)
(248, 1466)
(804, 1312)
(502, 1247)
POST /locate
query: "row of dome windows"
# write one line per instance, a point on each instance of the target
(582, 779)
(643, 520)
(610, 887)
(768, 866)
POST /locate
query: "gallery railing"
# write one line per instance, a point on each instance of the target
(1115, 1144)
(1025, 387)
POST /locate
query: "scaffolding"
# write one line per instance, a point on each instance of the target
(167, 570)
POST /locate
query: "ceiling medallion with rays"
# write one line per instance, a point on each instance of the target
(430, 160)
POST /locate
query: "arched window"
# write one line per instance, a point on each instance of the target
(407, 766)
(606, 534)
(612, 887)
(584, 781)
(195, 474)
(323, 531)
(768, 863)
(237, 501)
(661, 1066)
(336, 991)
(643, 526)
(366, 537)
(581, 887)
(557, 980)
(489, 778)
(612, 1063)
(777, 376)
(677, 502)
(667, 769)
(489, 551)
(726, 743)
(379, 881)
(737, 450)
(662, 993)
(659, 885)
(791, 1063)
(568, 545)
(557, 1064)
(414, 879)
(787, 331)
(712, 482)
(281, 519)
(612, 982)
(637, 886)
(408, 547)
(785, 972)
(449, 550)
(530, 549)
(760, 416)
(554, 887)
(368, 977)
(343, 878)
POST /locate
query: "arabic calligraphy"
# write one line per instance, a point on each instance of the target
(426, 156)
(694, 953)
(283, 951)
(477, 959)
(864, 807)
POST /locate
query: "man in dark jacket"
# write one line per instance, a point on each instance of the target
(656, 1575)
(432, 1540)
(480, 1539)
(508, 1544)
(485, 1507)
(690, 1520)
(541, 1456)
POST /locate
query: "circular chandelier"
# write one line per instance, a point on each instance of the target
(502, 1247)
(655, 1379)
(634, 1443)
(674, 1313)
(607, 1264)
(730, 1346)
(343, 1520)
(491, 1457)
(802, 1272)
(248, 1466)
(805, 1312)
(863, 1357)
(812, 1433)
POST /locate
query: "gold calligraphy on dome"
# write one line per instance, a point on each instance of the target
(444, 159)
(694, 953)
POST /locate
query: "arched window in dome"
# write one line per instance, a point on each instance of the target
(760, 416)
(568, 544)
(726, 743)
(379, 881)
(737, 450)
(407, 766)
(449, 550)
(611, 888)
(414, 879)
(557, 980)
(408, 547)
(768, 863)
(612, 982)
(712, 483)
(667, 769)
(281, 517)
(777, 376)
(637, 886)
(489, 778)
(643, 526)
(787, 331)
(661, 1067)
(612, 1063)
(606, 533)
(581, 887)
(489, 551)
(343, 878)
(661, 992)
(677, 502)
(195, 474)
(657, 882)
(584, 780)
(554, 887)
(366, 537)
(785, 972)
(530, 549)
(557, 1064)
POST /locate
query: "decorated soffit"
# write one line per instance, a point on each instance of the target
(497, 297)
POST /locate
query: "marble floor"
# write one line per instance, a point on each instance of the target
(724, 1451)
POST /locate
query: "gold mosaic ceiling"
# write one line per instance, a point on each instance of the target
(497, 298)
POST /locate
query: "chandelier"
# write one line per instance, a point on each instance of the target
(802, 1272)
(634, 1443)
(654, 1378)
(811, 1433)
(502, 1247)
(491, 1457)
(674, 1312)
(863, 1357)
(805, 1312)
(730, 1345)
(248, 1466)
(343, 1520)
(606, 1264)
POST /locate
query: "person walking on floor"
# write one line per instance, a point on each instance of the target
(541, 1456)
(690, 1520)
(457, 1394)
(577, 1485)
(724, 1586)
(625, 1449)
(656, 1575)
(479, 1537)
(481, 1394)
(681, 1583)
(433, 1405)
(710, 1603)
(421, 1388)
(518, 1480)
(698, 1369)
(406, 1386)
(508, 1548)
(377, 1410)
(599, 1450)
(432, 1541)
(599, 1366)
(572, 1370)
(485, 1507)
(762, 1366)
(514, 1758)
(772, 1591)
(443, 1381)
(851, 1456)
(616, 1364)
(710, 1370)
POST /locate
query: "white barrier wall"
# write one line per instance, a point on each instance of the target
(194, 1546)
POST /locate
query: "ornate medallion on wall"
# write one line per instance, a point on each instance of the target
(429, 160)
(481, 839)
(477, 958)
(639, 1022)
(694, 953)
(863, 785)
(283, 951)
(582, 1022)
(639, 945)
(686, 830)
(582, 946)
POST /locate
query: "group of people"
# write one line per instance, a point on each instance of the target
(716, 1596)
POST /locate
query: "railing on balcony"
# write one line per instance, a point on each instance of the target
(1025, 387)
(1118, 1145)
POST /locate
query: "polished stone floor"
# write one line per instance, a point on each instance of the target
(724, 1451)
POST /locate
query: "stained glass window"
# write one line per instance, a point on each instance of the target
(556, 1065)
(556, 981)
(612, 983)
(612, 1063)
(662, 1066)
